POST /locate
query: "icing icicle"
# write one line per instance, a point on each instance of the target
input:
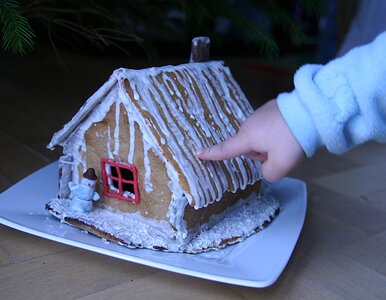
(116, 129)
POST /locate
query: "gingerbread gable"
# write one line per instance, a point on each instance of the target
(178, 109)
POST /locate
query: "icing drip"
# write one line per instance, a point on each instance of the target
(130, 157)
(176, 216)
(148, 184)
(108, 146)
(116, 129)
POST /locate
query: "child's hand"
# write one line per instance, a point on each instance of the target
(263, 136)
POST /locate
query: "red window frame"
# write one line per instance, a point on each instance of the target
(108, 191)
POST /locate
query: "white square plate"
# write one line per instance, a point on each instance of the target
(256, 262)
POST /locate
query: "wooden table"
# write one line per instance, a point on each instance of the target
(341, 253)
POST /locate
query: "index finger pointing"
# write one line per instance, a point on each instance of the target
(230, 148)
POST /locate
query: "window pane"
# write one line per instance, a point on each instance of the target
(128, 190)
(128, 187)
(112, 181)
(113, 171)
(127, 174)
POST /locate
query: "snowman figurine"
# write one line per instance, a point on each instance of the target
(83, 194)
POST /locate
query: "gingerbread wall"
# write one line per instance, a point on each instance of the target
(152, 205)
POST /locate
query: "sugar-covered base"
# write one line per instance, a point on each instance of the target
(134, 231)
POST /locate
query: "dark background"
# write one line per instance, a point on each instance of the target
(41, 90)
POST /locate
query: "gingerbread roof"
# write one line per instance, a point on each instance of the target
(179, 109)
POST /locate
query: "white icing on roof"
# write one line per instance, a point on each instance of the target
(179, 109)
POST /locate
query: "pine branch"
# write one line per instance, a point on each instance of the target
(17, 32)
(69, 21)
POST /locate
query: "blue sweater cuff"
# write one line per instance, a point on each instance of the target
(299, 122)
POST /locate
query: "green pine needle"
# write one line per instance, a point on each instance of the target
(17, 32)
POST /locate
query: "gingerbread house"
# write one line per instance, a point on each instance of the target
(140, 132)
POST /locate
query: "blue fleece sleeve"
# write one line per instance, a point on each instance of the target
(341, 104)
